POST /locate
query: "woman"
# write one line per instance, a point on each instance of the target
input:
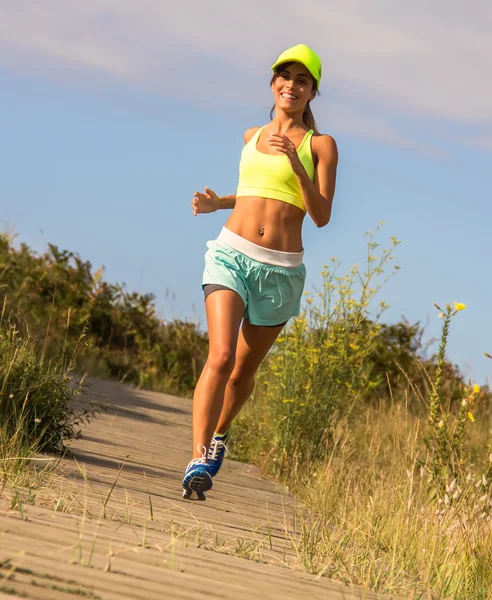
(254, 272)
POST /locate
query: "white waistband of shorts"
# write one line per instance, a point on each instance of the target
(268, 256)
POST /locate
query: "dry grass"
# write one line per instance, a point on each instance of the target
(373, 518)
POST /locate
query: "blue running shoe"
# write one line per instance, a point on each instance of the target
(217, 451)
(197, 477)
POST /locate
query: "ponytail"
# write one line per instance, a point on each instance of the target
(309, 119)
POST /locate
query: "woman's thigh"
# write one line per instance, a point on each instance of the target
(224, 309)
(253, 344)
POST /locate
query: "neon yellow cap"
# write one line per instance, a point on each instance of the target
(304, 55)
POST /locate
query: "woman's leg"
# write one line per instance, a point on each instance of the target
(225, 310)
(253, 345)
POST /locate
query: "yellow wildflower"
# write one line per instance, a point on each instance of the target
(476, 389)
(471, 417)
(440, 315)
(459, 306)
(440, 424)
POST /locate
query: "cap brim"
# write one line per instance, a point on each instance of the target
(295, 59)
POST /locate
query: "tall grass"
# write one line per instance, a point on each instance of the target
(398, 483)
(37, 401)
(377, 526)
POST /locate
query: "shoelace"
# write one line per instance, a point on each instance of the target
(201, 460)
(215, 448)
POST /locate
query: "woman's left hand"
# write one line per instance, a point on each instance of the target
(284, 145)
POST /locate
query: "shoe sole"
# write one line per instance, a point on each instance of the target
(200, 483)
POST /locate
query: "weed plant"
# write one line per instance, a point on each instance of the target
(397, 478)
(37, 401)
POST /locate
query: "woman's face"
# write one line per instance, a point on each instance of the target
(293, 87)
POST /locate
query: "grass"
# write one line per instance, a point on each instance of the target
(38, 409)
(398, 492)
(375, 525)
(371, 521)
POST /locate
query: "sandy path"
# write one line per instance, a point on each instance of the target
(139, 539)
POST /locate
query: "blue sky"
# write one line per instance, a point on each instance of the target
(111, 116)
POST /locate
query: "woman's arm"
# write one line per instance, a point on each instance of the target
(227, 201)
(209, 201)
(317, 195)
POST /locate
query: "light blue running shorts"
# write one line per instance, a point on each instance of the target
(271, 294)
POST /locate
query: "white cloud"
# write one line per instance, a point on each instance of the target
(353, 122)
(421, 59)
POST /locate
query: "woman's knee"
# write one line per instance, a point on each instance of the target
(221, 362)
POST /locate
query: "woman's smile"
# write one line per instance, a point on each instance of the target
(288, 96)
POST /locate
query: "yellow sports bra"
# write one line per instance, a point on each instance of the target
(271, 176)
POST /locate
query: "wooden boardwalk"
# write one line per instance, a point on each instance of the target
(113, 526)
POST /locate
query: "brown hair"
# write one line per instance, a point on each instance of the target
(307, 116)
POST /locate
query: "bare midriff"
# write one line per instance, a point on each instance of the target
(269, 223)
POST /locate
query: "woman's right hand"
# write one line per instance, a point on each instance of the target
(205, 203)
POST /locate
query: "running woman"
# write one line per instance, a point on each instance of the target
(254, 272)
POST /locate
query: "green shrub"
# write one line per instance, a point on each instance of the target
(36, 395)
(57, 296)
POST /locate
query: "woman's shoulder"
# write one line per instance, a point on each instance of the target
(249, 133)
(324, 146)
